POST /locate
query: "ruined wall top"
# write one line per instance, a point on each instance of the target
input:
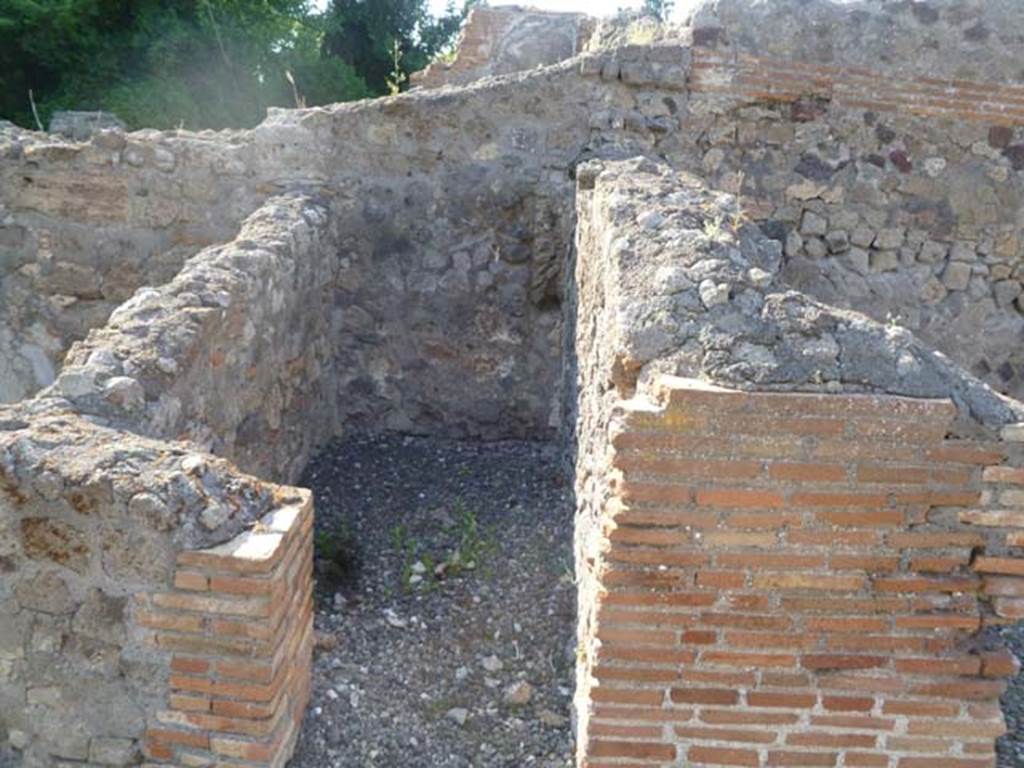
(944, 39)
(506, 39)
(696, 292)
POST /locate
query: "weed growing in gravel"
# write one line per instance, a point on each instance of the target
(336, 555)
(405, 547)
(474, 548)
(566, 570)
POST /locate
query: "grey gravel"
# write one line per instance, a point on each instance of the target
(418, 676)
(1010, 748)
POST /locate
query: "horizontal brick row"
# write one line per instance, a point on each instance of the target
(767, 79)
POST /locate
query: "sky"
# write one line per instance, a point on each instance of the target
(592, 7)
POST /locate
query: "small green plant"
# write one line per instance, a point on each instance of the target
(397, 77)
(446, 57)
(406, 548)
(713, 228)
(475, 546)
(567, 570)
(740, 216)
(398, 536)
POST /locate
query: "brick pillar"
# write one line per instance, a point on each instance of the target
(1001, 518)
(239, 628)
(786, 579)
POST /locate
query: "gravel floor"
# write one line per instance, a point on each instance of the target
(450, 641)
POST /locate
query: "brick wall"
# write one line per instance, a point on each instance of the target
(762, 78)
(238, 627)
(797, 580)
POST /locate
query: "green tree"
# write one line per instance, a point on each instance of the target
(366, 34)
(659, 9)
(165, 63)
(209, 63)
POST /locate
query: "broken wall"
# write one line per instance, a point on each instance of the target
(82, 226)
(881, 143)
(157, 602)
(793, 567)
(505, 39)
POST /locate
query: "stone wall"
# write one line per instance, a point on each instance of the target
(453, 223)
(793, 569)
(893, 188)
(234, 355)
(82, 226)
(155, 601)
(881, 143)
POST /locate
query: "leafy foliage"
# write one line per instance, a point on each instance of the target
(366, 33)
(659, 9)
(205, 63)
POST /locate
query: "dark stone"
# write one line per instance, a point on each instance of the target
(870, 118)
(805, 110)
(673, 107)
(1006, 372)
(936, 217)
(982, 368)
(885, 134)
(1000, 136)
(362, 386)
(660, 124)
(924, 13)
(1015, 154)
(775, 230)
(977, 34)
(102, 617)
(707, 37)
(814, 168)
(6, 565)
(875, 160)
(901, 161)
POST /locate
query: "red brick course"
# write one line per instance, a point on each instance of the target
(746, 77)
